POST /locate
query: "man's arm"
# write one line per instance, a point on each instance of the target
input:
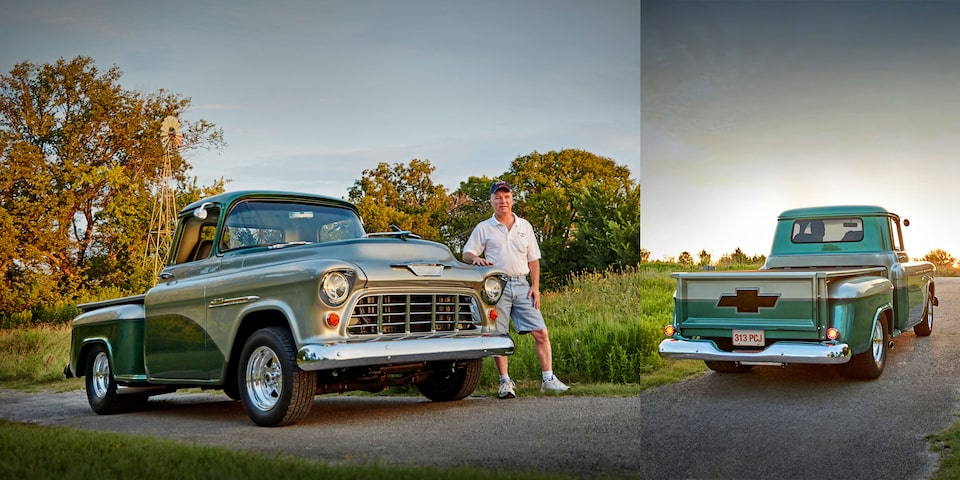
(470, 257)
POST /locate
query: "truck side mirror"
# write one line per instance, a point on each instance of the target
(201, 211)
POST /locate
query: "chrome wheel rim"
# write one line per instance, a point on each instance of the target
(264, 378)
(929, 313)
(101, 375)
(878, 343)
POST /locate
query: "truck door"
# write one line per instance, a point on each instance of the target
(175, 333)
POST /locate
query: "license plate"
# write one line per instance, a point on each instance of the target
(748, 338)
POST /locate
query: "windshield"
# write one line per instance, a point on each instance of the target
(260, 223)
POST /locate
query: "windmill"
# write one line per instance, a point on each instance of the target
(163, 217)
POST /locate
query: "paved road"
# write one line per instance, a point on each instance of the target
(806, 422)
(584, 436)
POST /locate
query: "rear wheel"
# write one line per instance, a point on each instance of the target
(273, 389)
(727, 367)
(869, 364)
(925, 327)
(101, 386)
(454, 383)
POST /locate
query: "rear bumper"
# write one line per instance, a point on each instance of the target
(779, 352)
(340, 355)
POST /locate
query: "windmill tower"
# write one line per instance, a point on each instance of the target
(164, 216)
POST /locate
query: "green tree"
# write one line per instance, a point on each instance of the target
(546, 186)
(705, 258)
(402, 195)
(80, 157)
(607, 231)
(941, 258)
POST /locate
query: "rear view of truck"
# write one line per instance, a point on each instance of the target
(836, 298)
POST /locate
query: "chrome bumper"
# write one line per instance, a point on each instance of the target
(340, 355)
(779, 352)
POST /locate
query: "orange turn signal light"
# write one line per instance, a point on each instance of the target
(492, 314)
(333, 319)
(833, 333)
(669, 330)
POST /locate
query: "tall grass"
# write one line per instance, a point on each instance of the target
(34, 356)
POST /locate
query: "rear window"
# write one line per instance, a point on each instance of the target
(827, 230)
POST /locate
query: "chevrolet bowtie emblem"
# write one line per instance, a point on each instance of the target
(748, 300)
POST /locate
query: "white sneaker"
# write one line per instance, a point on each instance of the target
(554, 385)
(506, 390)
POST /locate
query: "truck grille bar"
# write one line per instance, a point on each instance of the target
(391, 314)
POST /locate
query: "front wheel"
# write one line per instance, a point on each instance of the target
(273, 389)
(869, 365)
(454, 383)
(727, 367)
(925, 327)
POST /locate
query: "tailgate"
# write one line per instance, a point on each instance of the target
(771, 305)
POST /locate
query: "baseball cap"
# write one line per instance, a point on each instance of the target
(500, 185)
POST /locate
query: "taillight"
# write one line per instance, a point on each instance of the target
(833, 333)
(669, 330)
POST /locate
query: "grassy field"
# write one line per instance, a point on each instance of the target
(596, 349)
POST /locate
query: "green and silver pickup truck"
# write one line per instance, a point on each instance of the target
(837, 287)
(275, 297)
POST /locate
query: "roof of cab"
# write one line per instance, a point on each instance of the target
(227, 198)
(834, 211)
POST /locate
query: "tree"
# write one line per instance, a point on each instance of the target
(546, 186)
(79, 159)
(941, 258)
(685, 258)
(404, 196)
(705, 258)
(607, 231)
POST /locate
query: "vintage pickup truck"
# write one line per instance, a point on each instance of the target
(836, 288)
(275, 297)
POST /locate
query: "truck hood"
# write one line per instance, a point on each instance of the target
(379, 259)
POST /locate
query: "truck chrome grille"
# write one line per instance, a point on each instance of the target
(391, 314)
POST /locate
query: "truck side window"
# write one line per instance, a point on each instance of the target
(896, 239)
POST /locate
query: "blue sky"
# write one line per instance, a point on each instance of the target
(751, 108)
(311, 93)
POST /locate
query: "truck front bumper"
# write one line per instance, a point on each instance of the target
(339, 355)
(779, 352)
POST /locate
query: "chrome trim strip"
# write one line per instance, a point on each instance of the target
(226, 302)
(779, 352)
(339, 355)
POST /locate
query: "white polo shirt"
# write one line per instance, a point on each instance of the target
(510, 250)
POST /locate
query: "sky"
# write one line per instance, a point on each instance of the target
(309, 94)
(750, 108)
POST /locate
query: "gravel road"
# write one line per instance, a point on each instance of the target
(583, 436)
(806, 422)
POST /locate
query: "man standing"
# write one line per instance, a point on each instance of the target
(508, 241)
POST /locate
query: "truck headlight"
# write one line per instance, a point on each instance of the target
(492, 288)
(335, 288)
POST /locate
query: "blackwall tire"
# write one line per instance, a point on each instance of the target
(454, 383)
(273, 389)
(925, 327)
(727, 367)
(869, 364)
(101, 386)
